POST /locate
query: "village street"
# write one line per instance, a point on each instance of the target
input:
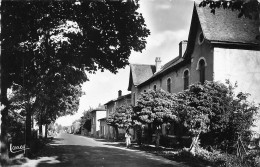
(72, 150)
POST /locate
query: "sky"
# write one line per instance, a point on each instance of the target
(169, 23)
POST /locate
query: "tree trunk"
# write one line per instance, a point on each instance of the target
(150, 133)
(46, 131)
(158, 136)
(4, 139)
(139, 134)
(194, 144)
(3, 107)
(28, 126)
(40, 129)
(116, 131)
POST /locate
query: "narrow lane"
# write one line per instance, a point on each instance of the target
(72, 150)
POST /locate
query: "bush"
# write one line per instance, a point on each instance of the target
(218, 159)
(253, 158)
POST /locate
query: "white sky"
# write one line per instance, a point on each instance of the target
(169, 23)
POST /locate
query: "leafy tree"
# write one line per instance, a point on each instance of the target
(16, 117)
(121, 118)
(211, 108)
(47, 37)
(155, 107)
(51, 127)
(247, 8)
(85, 120)
(194, 111)
(239, 120)
(59, 102)
(76, 127)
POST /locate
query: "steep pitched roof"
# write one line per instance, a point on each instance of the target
(225, 26)
(98, 109)
(109, 102)
(222, 27)
(124, 97)
(127, 96)
(140, 73)
(165, 69)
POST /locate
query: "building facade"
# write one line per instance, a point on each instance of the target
(111, 108)
(220, 46)
(97, 114)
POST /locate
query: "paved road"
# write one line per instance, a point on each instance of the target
(69, 150)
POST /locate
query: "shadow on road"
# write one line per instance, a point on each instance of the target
(88, 152)
(55, 140)
(76, 155)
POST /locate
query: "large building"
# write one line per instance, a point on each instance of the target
(220, 46)
(121, 100)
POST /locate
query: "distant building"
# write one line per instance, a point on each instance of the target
(220, 46)
(103, 127)
(111, 108)
(97, 114)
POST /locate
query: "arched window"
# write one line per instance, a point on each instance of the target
(202, 71)
(186, 79)
(169, 82)
(154, 87)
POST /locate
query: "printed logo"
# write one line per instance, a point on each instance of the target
(16, 149)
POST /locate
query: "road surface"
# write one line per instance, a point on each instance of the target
(69, 150)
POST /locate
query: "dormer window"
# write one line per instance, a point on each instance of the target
(201, 38)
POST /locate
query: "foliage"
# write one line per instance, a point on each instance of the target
(247, 8)
(58, 102)
(155, 107)
(121, 118)
(194, 109)
(217, 158)
(83, 35)
(51, 127)
(215, 110)
(85, 120)
(232, 118)
(47, 42)
(16, 117)
(76, 127)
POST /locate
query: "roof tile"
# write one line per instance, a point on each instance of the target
(141, 72)
(225, 25)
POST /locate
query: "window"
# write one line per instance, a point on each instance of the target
(134, 99)
(186, 79)
(169, 85)
(202, 71)
(154, 87)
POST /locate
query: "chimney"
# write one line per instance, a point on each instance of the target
(158, 63)
(119, 93)
(182, 48)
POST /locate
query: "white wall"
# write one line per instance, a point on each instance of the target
(99, 115)
(241, 66)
